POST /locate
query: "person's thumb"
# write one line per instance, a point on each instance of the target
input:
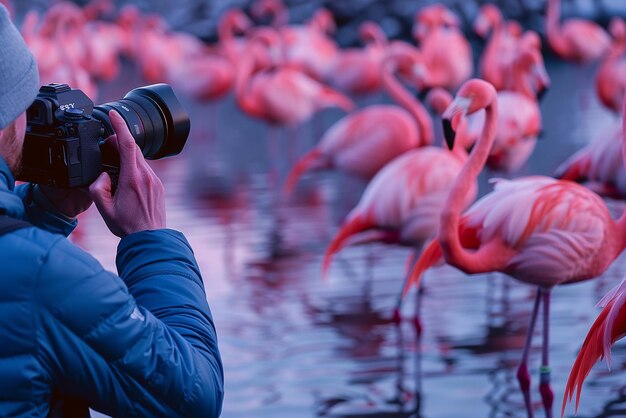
(101, 192)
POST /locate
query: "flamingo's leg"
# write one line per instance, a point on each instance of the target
(417, 322)
(547, 395)
(397, 314)
(523, 376)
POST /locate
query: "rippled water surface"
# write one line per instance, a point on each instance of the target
(296, 346)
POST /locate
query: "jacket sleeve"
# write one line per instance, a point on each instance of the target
(40, 212)
(142, 345)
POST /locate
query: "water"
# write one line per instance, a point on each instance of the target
(296, 346)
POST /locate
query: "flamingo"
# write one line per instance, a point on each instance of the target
(282, 95)
(403, 202)
(519, 118)
(306, 46)
(364, 141)
(577, 40)
(232, 23)
(537, 229)
(611, 76)
(446, 51)
(356, 71)
(501, 48)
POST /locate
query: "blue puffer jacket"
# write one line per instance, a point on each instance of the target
(139, 345)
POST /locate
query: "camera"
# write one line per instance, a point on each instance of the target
(65, 137)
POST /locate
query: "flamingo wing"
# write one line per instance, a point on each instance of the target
(363, 142)
(599, 161)
(556, 227)
(587, 38)
(609, 327)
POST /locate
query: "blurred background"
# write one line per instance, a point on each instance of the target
(294, 345)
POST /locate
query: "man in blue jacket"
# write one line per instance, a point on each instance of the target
(73, 335)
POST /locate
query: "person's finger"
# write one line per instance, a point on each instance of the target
(101, 193)
(112, 141)
(126, 146)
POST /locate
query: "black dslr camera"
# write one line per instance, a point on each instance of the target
(64, 144)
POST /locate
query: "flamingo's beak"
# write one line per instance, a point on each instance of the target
(455, 110)
(448, 133)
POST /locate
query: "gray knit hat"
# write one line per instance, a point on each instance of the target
(19, 78)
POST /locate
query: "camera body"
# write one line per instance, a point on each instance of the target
(62, 143)
(65, 137)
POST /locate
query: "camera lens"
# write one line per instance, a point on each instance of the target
(155, 118)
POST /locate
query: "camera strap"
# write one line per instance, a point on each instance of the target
(8, 224)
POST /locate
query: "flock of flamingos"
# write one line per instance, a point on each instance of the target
(540, 230)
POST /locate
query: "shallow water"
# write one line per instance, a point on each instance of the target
(296, 346)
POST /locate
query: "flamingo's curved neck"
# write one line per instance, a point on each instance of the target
(449, 238)
(242, 81)
(518, 82)
(372, 34)
(406, 100)
(553, 29)
(497, 25)
(226, 31)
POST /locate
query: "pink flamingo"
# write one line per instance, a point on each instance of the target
(611, 76)
(203, 78)
(501, 48)
(403, 202)
(536, 229)
(577, 40)
(307, 45)
(364, 141)
(208, 76)
(282, 95)
(446, 51)
(209, 73)
(357, 70)
(233, 22)
(519, 118)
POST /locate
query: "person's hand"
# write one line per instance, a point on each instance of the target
(139, 200)
(69, 202)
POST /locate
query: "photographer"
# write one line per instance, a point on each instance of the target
(76, 336)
